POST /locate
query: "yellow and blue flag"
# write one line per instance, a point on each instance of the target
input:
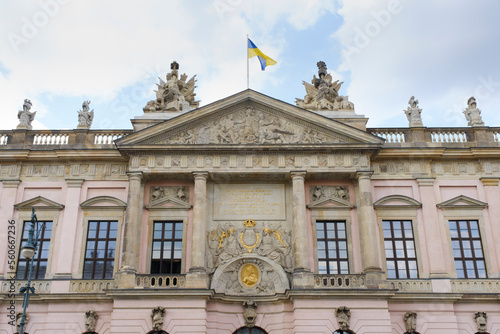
(253, 51)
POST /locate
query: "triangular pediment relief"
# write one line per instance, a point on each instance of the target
(39, 203)
(397, 202)
(103, 202)
(330, 204)
(462, 202)
(168, 203)
(250, 119)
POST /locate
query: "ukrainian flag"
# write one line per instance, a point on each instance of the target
(253, 51)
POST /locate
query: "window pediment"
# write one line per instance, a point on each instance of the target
(331, 204)
(103, 203)
(462, 202)
(397, 202)
(39, 203)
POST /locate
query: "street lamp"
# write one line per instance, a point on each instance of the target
(29, 251)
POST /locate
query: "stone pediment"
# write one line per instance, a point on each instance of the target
(462, 202)
(103, 203)
(249, 119)
(397, 202)
(168, 203)
(39, 203)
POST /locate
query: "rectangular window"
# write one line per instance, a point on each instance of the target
(400, 252)
(167, 248)
(100, 250)
(42, 253)
(332, 247)
(467, 249)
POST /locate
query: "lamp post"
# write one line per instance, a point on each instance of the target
(29, 251)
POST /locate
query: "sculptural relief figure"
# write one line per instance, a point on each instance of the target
(19, 316)
(157, 315)
(322, 93)
(250, 312)
(413, 113)
(176, 94)
(318, 193)
(275, 245)
(343, 315)
(25, 116)
(176, 193)
(472, 113)
(85, 117)
(480, 318)
(410, 319)
(90, 321)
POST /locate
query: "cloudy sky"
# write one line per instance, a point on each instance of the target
(59, 53)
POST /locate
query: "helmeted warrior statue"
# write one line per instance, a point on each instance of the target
(157, 315)
(323, 94)
(472, 113)
(85, 117)
(480, 318)
(343, 315)
(25, 116)
(177, 94)
(413, 113)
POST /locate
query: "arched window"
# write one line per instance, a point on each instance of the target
(250, 330)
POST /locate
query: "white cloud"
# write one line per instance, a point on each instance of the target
(95, 49)
(435, 50)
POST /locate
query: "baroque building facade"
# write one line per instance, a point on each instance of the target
(252, 215)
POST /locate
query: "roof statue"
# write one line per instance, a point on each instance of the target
(177, 94)
(85, 116)
(323, 94)
(473, 113)
(413, 113)
(25, 116)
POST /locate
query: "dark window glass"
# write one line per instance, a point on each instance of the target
(467, 249)
(100, 250)
(42, 253)
(332, 247)
(250, 330)
(399, 246)
(167, 248)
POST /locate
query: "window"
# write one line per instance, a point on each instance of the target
(467, 249)
(42, 254)
(167, 248)
(400, 252)
(332, 247)
(100, 250)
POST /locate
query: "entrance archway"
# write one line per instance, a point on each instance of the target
(250, 330)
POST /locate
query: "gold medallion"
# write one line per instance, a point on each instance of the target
(249, 275)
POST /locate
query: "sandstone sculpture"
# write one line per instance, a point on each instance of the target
(90, 321)
(250, 312)
(413, 113)
(473, 113)
(323, 94)
(25, 116)
(410, 319)
(176, 94)
(481, 319)
(85, 117)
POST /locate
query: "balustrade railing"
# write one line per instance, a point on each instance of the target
(390, 136)
(339, 281)
(91, 286)
(51, 139)
(4, 138)
(40, 286)
(106, 138)
(410, 285)
(160, 281)
(475, 285)
(448, 136)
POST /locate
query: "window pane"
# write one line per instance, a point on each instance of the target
(332, 247)
(167, 245)
(399, 234)
(99, 255)
(467, 249)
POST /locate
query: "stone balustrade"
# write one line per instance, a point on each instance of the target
(160, 281)
(91, 286)
(410, 285)
(40, 286)
(339, 281)
(475, 285)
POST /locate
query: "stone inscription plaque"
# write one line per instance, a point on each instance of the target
(249, 201)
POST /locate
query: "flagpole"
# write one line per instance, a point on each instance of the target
(248, 68)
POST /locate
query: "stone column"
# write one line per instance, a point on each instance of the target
(132, 232)
(197, 276)
(302, 275)
(368, 233)
(8, 199)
